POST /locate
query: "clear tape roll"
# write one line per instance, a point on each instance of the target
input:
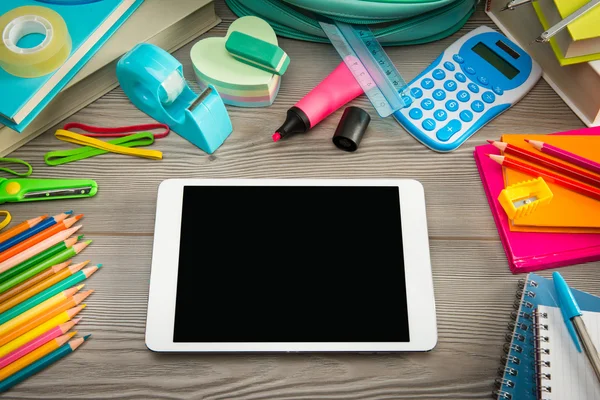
(39, 60)
(171, 88)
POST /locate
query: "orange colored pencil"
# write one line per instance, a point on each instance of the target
(38, 248)
(41, 308)
(35, 341)
(35, 355)
(35, 239)
(63, 274)
(59, 320)
(41, 318)
(34, 280)
(20, 228)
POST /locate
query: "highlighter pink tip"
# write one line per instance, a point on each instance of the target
(490, 141)
(276, 136)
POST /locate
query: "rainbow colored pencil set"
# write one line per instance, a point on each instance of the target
(42, 292)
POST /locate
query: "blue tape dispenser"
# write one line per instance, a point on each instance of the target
(154, 82)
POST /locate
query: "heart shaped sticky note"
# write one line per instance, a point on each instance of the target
(238, 84)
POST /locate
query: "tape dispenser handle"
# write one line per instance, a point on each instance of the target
(153, 80)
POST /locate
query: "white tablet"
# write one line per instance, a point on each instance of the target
(291, 265)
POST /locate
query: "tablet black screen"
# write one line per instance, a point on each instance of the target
(291, 264)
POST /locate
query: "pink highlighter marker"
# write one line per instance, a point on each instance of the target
(339, 88)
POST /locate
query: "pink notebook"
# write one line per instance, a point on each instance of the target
(530, 251)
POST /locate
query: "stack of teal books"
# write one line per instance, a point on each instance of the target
(44, 44)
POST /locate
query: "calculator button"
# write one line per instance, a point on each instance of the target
(483, 80)
(470, 70)
(488, 97)
(450, 86)
(407, 101)
(466, 116)
(460, 77)
(416, 92)
(449, 66)
(440, 115)
(473, 87)
(463, 96)
(416, 113)
(458, 59)
(439, 94)
(427, 104)
(427, 83)
(451, 128)
(498, 90)
(428, 124)
(439, 74)
(477, 106)
(451, 105)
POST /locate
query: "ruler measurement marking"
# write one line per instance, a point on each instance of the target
(374, 71)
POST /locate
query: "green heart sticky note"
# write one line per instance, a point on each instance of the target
(236, 82)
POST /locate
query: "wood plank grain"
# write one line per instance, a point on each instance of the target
(473, 301)
(474, 289)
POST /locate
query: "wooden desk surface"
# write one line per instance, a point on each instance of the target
(473, 287)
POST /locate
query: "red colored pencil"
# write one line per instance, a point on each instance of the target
(536, 158)
(551, 177)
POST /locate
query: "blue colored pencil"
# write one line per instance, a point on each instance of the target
(42, 363)
(45, 224)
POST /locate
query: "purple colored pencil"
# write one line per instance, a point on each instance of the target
(565, 156)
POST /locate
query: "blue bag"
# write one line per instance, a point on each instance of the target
(394, 22)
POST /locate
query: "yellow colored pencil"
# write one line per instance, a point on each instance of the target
(32, 291)
(60, 319)
(33, 312)
(35, 355)
(43, 317)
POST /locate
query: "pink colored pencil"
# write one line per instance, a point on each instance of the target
(38, 248)
(37, 342)
(565, 156)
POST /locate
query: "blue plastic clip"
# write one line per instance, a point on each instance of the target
(154, 82)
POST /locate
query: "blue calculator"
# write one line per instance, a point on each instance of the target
(478, 77)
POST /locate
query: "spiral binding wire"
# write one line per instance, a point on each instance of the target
(513, 338)
(543, 378)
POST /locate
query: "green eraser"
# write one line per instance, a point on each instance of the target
(258, 53)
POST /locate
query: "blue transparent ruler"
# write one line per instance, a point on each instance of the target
(370, 65)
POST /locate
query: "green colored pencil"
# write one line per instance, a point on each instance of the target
(44, 295)
(42, 363)
(47, 263)
(38, 258)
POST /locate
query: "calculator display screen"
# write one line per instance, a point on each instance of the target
(489, 55)
(291, 264)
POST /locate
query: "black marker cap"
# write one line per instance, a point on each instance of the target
(350, 130)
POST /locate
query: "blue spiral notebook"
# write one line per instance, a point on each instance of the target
(518, 375)
(90, 24)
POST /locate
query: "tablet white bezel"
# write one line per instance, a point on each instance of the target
(165, 258)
